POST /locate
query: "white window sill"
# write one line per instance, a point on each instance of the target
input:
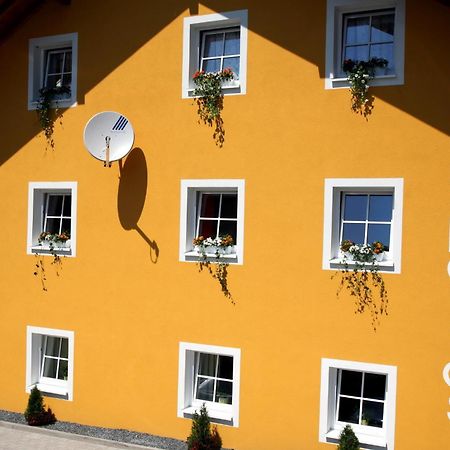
(58, 390)
(379, 80)
(196, 256)
(233, 88)
(383, 266)
(60, 104)
(368, 439)
(226, 416)
(46, 250)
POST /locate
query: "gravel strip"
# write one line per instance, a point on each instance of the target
(129, 437)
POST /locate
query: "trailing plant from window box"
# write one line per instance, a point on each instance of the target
(36, 414)
(214, 248)
(202, 437)
(359, 74)
(209, 99)
(363, 278)
(47, 96)
(348, 439)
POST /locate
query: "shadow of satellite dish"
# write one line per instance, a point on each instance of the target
(132, 189)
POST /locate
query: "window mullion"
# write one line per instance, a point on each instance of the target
(366, 228)
(219, 217)
(361, 398)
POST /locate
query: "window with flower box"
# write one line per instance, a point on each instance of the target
(363, 211)
(212, 220)
(50, 361)
(52, 218)
(214, 42)
(362, 395)
(210, 375)
(53, 65)
(361, 30)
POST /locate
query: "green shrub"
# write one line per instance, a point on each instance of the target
(36, 414)
(201, 437)
(348, 440)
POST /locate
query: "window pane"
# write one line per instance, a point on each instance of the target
(67, 81)
(53, 81)
(374, 386)
(208, 228)
(228, 227)
(229, 206)
(66, 225)
(225, 367)
(380, 233)
(355, 207)
(233, 64)
(383, 28)
(213, 45)
(354, 232)
(54, 205)
(67, 206)
(50, 367)
(207, 364)
(211, 65)
(358, 53)
(55, 62)
(68, 61)
(52, 348)
(224, 392)
(380, 208)
(385, 51)
(357, 30)
(53, 226)
(372, 412)
(210, 205)
(348, 410)
(63, 369)
(64, 348)
(232, 43)
(351, 382)
(205, 389)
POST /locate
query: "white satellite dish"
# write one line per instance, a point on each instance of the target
(108, 136)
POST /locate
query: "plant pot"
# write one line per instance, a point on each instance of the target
(380, 71)
(379, 256)
(348, 256)
(211, 250)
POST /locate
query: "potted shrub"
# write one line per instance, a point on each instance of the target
(202, 437)
(36, 414)
(359, 74)
(348, 439)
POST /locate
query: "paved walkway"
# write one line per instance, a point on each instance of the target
(23, 437)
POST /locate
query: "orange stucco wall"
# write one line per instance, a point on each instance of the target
(129, 310)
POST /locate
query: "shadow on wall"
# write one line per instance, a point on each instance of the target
(424, 63)
(131, 196)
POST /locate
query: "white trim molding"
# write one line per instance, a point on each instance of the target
(37, 191)
(34, 356)
(37, 49)
(334, 188)
(189, 211)
(336, 9)
(369, 437)
(193, 26)
(226, 414)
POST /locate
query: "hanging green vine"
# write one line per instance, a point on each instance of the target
(209, 99)
(359, 74)
(48, 97)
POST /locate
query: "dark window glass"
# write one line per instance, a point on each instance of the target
(207, 364)
(225, 367)
(380, 208)
(67, 206)
(382, 29)
(208, 228)
(229, 206)
(374, 386)
(232, 43)
(355, 207)
(62, 370)
(52, 348)
(213, 45)
(54, 205)
(354, 232)
(357, 30)
(230, 228)
(224, 392)
(64, 348)
(351, 382)
(205, 389)
(210, 205)
(378, 232)
(52, 226)
(349, 410)
(372, 413)
(50, 367)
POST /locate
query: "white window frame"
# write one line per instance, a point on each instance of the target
(192, 28)
(37, 50)
(188, 216)
(334, 187)
(37, 191)
(330, 428)
(187, 405)
(336, 9)
(34, 352)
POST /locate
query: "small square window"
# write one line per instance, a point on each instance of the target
(209, 375)
(212, 209)
(363, 211)
(362, 30)
(212, 43)
(52, 218)
(50, 361)
(53, 64)
(361, 395)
